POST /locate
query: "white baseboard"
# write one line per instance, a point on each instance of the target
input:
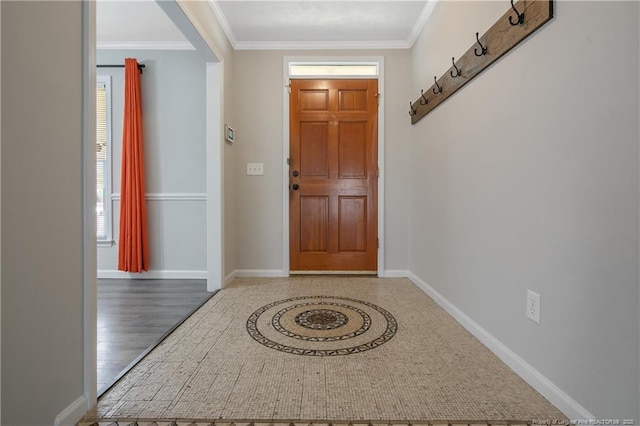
(229, 278)
(260, 273)
(570, 407)
(73, 413)
(159, 274)
(254, 273)
(393, 273)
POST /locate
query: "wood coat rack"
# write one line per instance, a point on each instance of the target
(519, 22)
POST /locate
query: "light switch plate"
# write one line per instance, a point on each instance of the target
(255, 169)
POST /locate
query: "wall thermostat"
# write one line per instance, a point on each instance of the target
(228, 133)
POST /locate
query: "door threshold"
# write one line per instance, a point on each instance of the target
(333, 272)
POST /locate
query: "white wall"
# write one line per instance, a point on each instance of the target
(527, 178)
(173, 108)
(258, 113)
(41, 210)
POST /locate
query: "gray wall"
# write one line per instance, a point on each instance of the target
(528, 179)
(258, 85)
(41, 210)
(173, 106)
(42, 274)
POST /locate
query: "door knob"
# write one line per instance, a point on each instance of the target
(295, 187)
(295, 173)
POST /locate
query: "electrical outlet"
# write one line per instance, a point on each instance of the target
(255, 169)
(533, 306)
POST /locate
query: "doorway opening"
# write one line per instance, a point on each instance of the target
(210, 198)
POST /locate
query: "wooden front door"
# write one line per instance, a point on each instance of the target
(333, 175)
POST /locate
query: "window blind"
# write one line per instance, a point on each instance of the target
(101, 156)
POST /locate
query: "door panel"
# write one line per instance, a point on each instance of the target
(314, 224)
(352, 150)
(333, 175)
(314, 100)
(353, 100)
(314, 159)
(352, 224)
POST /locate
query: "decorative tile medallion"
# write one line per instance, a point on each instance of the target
(321, 319)
(321, 325)
(316, 319)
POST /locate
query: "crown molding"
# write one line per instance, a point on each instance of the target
(421, 22)
(145, 45)
(224, 23)
(321, 45)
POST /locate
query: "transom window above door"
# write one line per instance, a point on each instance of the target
(332, 69)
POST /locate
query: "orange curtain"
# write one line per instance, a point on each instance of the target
(133, 251)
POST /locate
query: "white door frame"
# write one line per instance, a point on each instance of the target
(333, 60)
(215, 173)
(89, 239)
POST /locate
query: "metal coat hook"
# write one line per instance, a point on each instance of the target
(424, 100)
(520, 18)
(458, 72)
(483, 48)
(413, 110)
(437, 85)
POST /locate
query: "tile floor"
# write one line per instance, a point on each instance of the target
(429, 369)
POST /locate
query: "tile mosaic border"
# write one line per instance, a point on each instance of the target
(246, 422)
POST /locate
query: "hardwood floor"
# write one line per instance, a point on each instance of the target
(134, 315)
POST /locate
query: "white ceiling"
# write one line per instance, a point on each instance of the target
(266, 24)
(139, 24)
(322, 23)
